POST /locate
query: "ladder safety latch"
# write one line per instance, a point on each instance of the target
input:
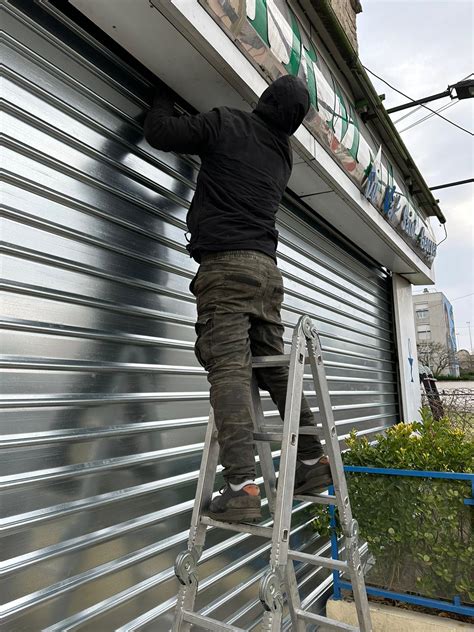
(185, 567)
(270, 592)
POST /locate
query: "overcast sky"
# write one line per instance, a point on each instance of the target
(421, 46)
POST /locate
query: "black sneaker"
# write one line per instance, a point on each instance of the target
(240, 506)
(312, 478)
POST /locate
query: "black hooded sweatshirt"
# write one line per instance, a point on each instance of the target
(246, 162)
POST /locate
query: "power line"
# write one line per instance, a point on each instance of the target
(407, 115)
(435, 291)
(459, 297)
(428, 116)
(420, 106)
(425, 106)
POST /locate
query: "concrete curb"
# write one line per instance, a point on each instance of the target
(390, 619)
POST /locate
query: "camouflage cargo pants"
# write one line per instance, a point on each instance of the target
(239, 295)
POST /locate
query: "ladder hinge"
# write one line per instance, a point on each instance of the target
(270, 592)
(185, 567)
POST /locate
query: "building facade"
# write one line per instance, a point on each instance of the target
(104, 406)
(435, 332)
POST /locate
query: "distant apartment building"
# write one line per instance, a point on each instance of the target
(435, 333)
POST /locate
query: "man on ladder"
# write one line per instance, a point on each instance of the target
(246, 162)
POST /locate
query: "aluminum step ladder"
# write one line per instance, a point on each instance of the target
(280, 580)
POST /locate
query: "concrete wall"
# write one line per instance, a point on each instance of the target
(346, 11)
(390, 619)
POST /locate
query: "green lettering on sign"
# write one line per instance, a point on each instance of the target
(295, 56)
(354, 150)
(343, 116)
(310, 56)
(260, 21)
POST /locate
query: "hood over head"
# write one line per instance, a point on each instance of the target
(284, 104)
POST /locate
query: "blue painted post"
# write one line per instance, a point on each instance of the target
(334, 547)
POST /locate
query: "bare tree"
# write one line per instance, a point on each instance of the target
(435, 355)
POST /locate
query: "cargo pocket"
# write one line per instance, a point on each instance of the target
(242, 278)
(240, 289)
(202, 347)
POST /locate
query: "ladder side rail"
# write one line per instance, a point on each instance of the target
(329, 428)
(293, 598)
(291, 582)
(186, 562)
(286, 474)
(270, 587)
(205, 486)
(349, 525)
(357, 579)
(263, 448)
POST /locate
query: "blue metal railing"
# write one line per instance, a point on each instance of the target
(456, 605)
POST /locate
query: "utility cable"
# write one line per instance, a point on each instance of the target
(424, 106)
(440, 109)
(420, 106)
(407, 115)
(428, 116)
(460, 297)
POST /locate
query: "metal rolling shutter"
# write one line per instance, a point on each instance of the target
(104, 406)
(350, 300)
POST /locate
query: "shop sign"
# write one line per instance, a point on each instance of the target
(397, 209)
(270, 35)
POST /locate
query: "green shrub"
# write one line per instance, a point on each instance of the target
(418, 530)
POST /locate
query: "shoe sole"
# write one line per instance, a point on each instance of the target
(315, 485)
(237, 515)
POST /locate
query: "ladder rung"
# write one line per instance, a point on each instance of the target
(261, 362)
(318, 560)
(318, 499)
(269, 434)
(308, 430)
(239, 527)
(328, 624)
(271, 428)
(209, 624)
